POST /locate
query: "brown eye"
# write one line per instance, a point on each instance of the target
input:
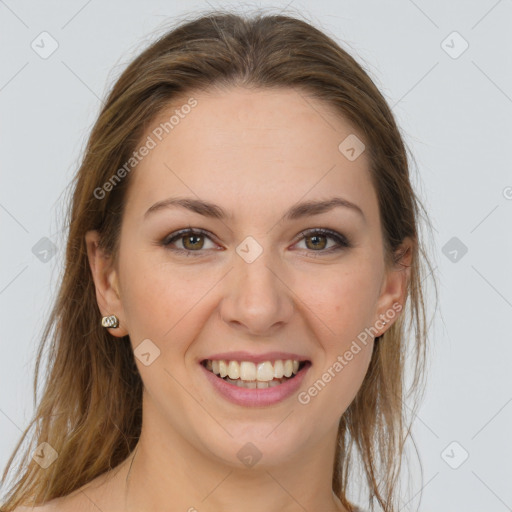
(193, 242)
(316, 240)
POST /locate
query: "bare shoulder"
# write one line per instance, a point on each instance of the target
(55, 505)
(74, 502)
(104, 492)
(47, 507)
(40, 508)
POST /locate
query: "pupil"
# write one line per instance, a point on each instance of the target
(192, 237)
(316, 237)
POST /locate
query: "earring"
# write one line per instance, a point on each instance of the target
(382, 333)
(110, 321)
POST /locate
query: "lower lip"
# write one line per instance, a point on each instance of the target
(254, 397)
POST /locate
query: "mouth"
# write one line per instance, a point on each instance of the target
(250, 375)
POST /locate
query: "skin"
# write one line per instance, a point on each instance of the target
(255, 153)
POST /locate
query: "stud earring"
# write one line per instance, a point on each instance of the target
(382, 333)
(110, 321)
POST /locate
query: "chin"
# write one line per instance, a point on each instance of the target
(251, 446)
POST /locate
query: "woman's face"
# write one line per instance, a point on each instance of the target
(249, 287)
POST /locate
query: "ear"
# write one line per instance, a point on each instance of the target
(394, 287)
(106, 283)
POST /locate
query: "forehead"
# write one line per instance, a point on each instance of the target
(249, 147)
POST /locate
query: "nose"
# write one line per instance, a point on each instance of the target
(256, 298)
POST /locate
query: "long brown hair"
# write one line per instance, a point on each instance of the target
(90, 411)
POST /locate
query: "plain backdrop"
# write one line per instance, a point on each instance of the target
(446, 70)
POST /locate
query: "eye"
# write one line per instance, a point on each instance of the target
(319, 237)
(192, 240)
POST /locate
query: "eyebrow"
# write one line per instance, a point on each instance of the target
(212, 210)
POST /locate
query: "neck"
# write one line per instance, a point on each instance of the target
(167, 473)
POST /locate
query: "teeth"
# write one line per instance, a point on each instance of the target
(233, 370)
(223, 368)
(254, 384)
(248, 371)
(265, 371)
(278, 369)
(249, 374)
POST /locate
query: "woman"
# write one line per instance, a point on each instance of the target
(243, 271)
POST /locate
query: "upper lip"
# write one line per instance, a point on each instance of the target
(255, 358)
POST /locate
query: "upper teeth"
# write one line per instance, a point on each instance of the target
(249, 371)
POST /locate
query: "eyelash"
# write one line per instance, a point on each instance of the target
(341, 240)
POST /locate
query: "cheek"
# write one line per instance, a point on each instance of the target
(344, 349)
(162, 303)
(343, 301)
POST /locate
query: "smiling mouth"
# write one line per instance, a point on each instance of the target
(246, 374)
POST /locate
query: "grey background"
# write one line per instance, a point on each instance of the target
(455, 112)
